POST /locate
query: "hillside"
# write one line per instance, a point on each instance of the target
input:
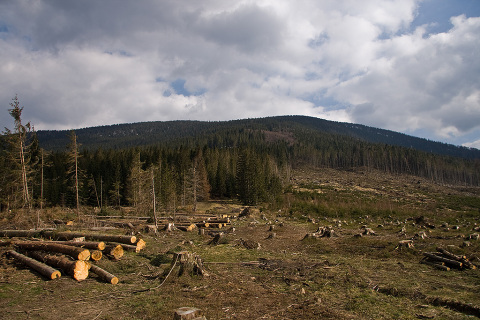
(178, 132)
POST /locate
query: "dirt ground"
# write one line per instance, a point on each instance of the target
(286, 277)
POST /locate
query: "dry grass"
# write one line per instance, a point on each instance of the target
(287, 278)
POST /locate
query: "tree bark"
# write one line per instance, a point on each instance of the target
(99, 237)
(20, 233)
(75, 268)
(104, 275)
(93, 245)
(36, 265)
(74, 252)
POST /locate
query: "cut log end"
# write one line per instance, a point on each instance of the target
(80, 271)
(96, 255)
(84, 255)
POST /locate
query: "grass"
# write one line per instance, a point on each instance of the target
(342, 277)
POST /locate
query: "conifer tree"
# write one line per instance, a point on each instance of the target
(19, 169)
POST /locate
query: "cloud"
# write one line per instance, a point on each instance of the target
(92, 63)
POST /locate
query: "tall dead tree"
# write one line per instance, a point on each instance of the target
(74, 172)
(18, 152)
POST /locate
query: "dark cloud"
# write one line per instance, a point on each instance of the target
(82, 63)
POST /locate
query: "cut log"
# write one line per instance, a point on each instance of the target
(74, 252)
(104, 275)
(96, 255)
(20, 233)
(449, 262)
(42, 268)
(438, 265)
(75, 268)
(114, 251)
(187, 227)
(451, 255)
(141, 244)
(93, 245)
(202, 224)
(129, 247)
(188, 313)
(99, 237)
(462, 259)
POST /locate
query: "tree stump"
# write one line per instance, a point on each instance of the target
(216, 239)
(250, 244)
(405, 244)
(190, 263)
(188, 313)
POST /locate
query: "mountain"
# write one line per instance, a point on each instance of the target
(177, 132)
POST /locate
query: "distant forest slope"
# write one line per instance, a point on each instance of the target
(170, 132)
(250, 160)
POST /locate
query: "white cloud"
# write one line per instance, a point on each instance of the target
(91, 63)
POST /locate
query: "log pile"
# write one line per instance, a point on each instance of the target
(71, 255)
(445, 260)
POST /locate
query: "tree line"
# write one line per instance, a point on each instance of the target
(250, 164)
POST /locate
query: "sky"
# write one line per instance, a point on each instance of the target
(411, 66)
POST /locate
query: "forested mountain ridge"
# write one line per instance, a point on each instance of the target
(172, 132)
(183, 162)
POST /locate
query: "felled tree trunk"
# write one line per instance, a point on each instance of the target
(99, 237)
(76, 268)
(114, 251)
(74, 252)
(36, 265)
(104, 275)
(20, 233)
(93, 245)
(185, 227)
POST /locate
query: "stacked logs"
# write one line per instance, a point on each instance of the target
(72, 254)
(188, 226)
(445, 260)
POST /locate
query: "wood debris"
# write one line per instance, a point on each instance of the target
(445, 260)
(321, 233)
